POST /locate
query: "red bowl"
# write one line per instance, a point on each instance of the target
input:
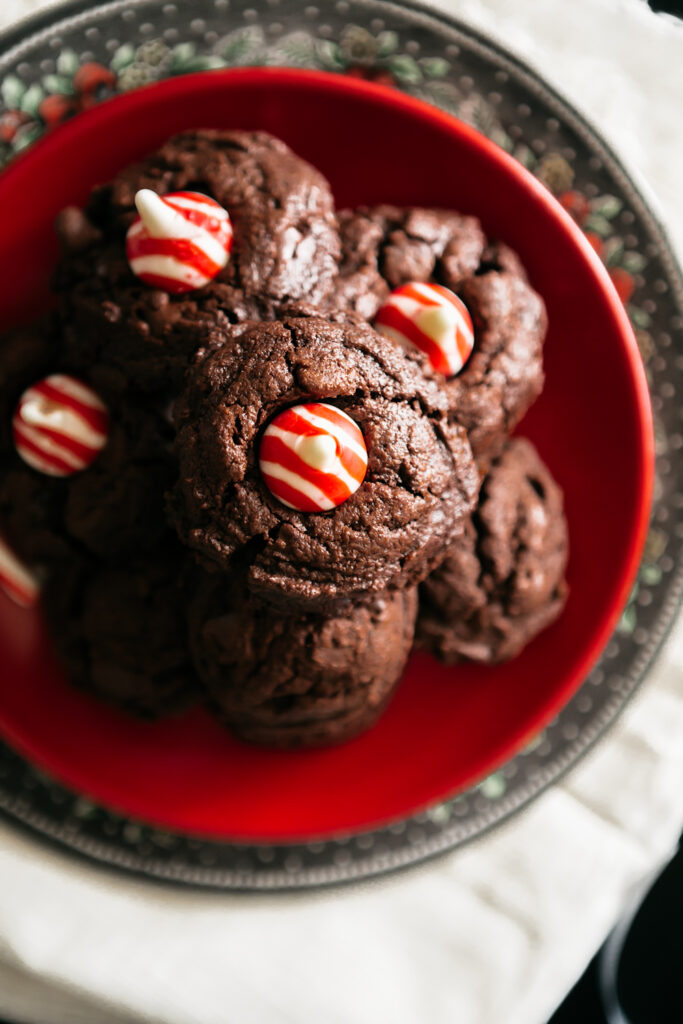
(447, 726)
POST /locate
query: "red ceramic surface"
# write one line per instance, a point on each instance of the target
(447, 726)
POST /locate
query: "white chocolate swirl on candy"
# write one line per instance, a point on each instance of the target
(313, 457)
(180, 241)
(59, 426)
(431, 318)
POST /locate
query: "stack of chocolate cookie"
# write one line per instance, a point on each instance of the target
(264, 429)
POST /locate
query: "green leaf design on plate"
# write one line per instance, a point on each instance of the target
(443, 93)
(32, 99)
(608, 206)
(524, 154)
(329, 54)
(439, 814)
(598, 224)
(181, 55)
(481, 115)
(614, 251)
(502, 139)
(493, 786)
(651, 575)
(67, 63)
(628, 621)
(124, 56)
(239, 45)
(58, 84)
(201, 62)
(405, 68)
(435, 67)
(634, 262)
(12, 90)
(26, 136)
(296, 49)
(638, 316)
(387, 43)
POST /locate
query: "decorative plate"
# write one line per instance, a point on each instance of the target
(67, 60)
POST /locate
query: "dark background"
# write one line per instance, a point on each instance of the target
(672, 6)
(649, 980)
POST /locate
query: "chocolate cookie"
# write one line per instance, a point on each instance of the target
(504, 374)
(420, 482)
(384, 247)
(290, 681)
(121, 632)
(285, 249)
(503, 580)
(113, 509)
(116, 508)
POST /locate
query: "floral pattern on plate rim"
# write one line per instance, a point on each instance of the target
(376, 53)
(27, 112)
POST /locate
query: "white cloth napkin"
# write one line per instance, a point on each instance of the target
(495, 934)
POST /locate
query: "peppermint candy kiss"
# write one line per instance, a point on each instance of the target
(179, 242)
(59, 426)
(433, 319)
(16, 580)
(313, 457)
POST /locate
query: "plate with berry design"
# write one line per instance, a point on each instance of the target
(61, 66)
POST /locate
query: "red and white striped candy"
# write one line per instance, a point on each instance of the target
(178, 242)
(313, 457)
(16, 580)
(60, 425)
(433, 319)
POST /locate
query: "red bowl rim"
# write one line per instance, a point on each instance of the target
(75, 131)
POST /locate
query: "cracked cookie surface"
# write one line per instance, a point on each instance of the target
(384, 247)
(420, 483)
(121, 632)
(503, 581)
(292, 681)
(286, 247)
